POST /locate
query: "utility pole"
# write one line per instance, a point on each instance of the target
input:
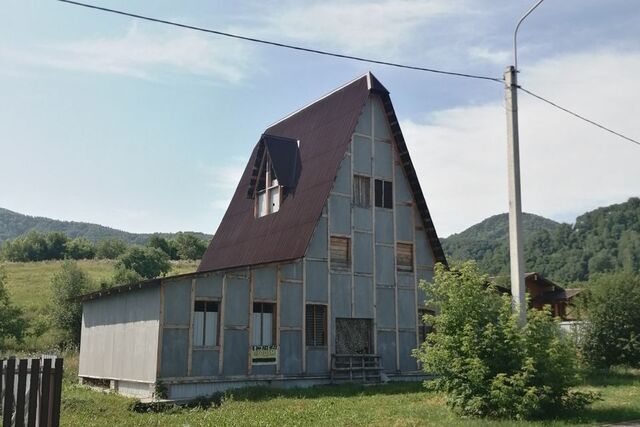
(516, 257)
(518, 299)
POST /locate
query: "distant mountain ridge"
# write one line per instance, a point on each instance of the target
(14, 224)
(603, 240)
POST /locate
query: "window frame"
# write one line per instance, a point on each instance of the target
(404, 267)
(271, 186)
(196, 343)
(357, 201)
(274, 335)
(384, 194)
(335, 263)
(314, 330)
(423, 328)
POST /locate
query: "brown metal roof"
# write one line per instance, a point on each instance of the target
(324, 130)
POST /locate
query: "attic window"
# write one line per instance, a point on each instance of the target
(268, 194)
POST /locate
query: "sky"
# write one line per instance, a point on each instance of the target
(145, 127)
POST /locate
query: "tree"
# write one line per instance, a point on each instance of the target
(483, 362)
(110, 248)
(612, 335)
(80, 248)
(167, 246)
(56, 245)
(147, 262)
(12, 322)
(67, 284)
(29, 247)
(190, 246)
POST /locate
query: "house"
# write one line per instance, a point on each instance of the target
(543, 292)
(311, 276)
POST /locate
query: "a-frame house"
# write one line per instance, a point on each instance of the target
(311, 276)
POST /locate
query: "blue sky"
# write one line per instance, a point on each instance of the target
(145, 127)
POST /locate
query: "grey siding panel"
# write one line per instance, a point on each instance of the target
(384, 226)
(291, 304)
(385, 267)
(210, 286)
(424, 255)
(317, 278)
(404, 223)
(407, 309)
(364, 122)
(361, 218)
(264, 283)
(407, 344)
(263, 369)
(387, 349)
(362, 253)
(177, 302)
(362, 155)
(402, 189)
(406, 280)
(382, 166)
(236, 351)
(340, 214)
(363, 303)
(204, 362)
(175, 343)
(342, 183)
(293, 270)
(290, 351)
(119, 337)
(380, 121)
(318, 245)
(340, 295)
(426, 275)
(385, 308)
(236, 302)
(317, 360)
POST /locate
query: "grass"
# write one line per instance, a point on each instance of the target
(29, 287)
(395, 404)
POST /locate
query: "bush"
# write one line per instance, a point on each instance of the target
(69, 283)
(189, 246)
(146, 262)
(169, 247)
(80, 248)
(484, 363)
(12, 323)
(612, 334)
(110, 249)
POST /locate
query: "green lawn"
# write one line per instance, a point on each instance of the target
(29, 286)
(398, 404)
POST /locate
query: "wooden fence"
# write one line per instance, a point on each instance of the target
(30, 391)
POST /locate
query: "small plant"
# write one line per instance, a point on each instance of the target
(484, 363)
(160, 391)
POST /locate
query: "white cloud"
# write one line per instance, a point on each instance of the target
(144, 55)
(568, 166)
(380, 27)
(224, 180)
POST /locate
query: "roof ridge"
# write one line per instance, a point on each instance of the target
(365, 75)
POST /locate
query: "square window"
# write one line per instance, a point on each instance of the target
(340, 252)
(404, 256)
(316, 325)
(205, 323)
(362, 191)
(384, 194)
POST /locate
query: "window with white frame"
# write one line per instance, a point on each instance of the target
(205, 324)
(263, 324)
(268, 192)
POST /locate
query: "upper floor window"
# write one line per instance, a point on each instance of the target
(384, 194)
(340, 252)
(362, 191)
(205, 324)
(424, 329)
(404, 256)
(268, 191)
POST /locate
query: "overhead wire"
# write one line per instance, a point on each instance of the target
(344, 56)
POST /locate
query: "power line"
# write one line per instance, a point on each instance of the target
(578, 115)
(283, 45)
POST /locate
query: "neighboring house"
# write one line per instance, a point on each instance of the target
(543, 292)
(313, 269)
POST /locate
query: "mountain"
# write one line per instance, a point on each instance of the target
(604, 240)
(13, 224)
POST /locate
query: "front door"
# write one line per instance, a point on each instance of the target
(354, 336)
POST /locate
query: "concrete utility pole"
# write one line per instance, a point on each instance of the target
(516, 256)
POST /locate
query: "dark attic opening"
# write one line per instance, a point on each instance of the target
(275, 173)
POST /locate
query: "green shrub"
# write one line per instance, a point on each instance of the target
(69, 283)
(80, 248)
(110, 248)
(12, 322)
(612, 334)
(484, 363)
(147, 262)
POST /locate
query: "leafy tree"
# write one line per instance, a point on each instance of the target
(30, 247)
(124, 276)
(146, 262)
(169, 247)
(189, 246)
(484, 363)
(612, 335)
(110, 248)
(12, 322)
(56, 245)
(80, 248)
(67, 284)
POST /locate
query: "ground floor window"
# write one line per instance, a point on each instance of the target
(316, 325)
(205, 324)
(424, 329)
(263, 327)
